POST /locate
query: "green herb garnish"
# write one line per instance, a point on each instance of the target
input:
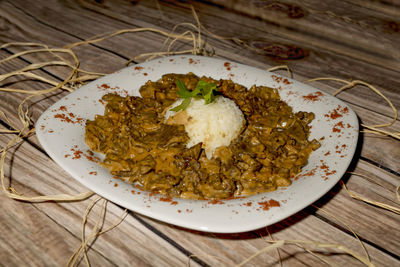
(203, 90)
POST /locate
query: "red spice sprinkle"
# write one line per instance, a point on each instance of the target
(93, 173)
(191, 61)
(179, 211)
(330, 173)
(327, 153)
(63, 108)
(171, 59)
(68, 118)
(216, 201)
(92, 158)
(227, 65)
(77, 154)
(105, 86)
(174, 203)
(340, 124)
(42, 127)
(336, 127)
(166, 199)
(145, 74)
(313, 97)
(309, 173)
(276, 78)
(51, 131)
(67, 155)
(248, 204)
(62, 117)
(115, 185)
(324, 167)
(335, 130)
(138, 68)
(269, 204)
(337, 112)
(286, 81)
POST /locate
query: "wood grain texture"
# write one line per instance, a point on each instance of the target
(326, 41)
(119, 15)
(33, 173)
(358, 97)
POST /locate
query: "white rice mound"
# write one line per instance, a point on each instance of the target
(214, 125)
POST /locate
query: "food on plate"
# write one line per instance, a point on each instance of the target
(201, 138)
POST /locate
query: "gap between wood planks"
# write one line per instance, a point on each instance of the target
(122, 56)
(67, 33)
(347, 231)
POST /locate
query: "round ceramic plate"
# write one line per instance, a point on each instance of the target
(61, 132)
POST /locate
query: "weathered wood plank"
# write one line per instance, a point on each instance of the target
(33, 173)
(353, 96)
(378, 229)
(343, 24)
(319, 62)
(23, 28)
(47, 178)
(30, 238)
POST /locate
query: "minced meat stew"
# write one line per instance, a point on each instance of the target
(141, 148)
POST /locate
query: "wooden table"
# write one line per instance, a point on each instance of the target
(352, 40)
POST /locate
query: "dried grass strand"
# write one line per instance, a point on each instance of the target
(305, 244)
(282, 67)
(369, 201)
(349, 228)
(12, 193)
(277, 249)
(76, 255)
(23, 115)
(275, 245)
(95, 232)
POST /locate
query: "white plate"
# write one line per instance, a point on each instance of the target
(61, 132)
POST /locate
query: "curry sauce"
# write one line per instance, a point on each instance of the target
(141, 148)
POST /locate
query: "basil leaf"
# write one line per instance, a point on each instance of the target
(185, 103)
(208, 93)
(203, 90)
(183, 92)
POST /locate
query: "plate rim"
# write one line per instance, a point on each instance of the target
(108, 194)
